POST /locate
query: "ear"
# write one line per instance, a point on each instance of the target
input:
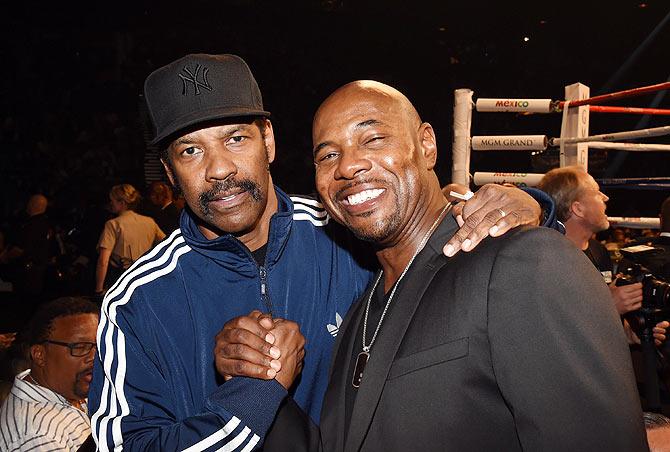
(269, 140)
(168, 171)
(38, 354)
(428, 144)
(577, 209)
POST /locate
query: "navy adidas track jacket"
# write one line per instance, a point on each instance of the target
(155, 386)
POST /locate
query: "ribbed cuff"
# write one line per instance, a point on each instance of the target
(254, 401)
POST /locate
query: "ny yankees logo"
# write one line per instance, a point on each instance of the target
(192, 77)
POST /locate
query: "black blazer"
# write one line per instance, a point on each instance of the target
(513, 346)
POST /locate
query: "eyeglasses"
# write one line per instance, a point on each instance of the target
(77, 349)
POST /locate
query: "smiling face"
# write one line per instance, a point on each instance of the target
(223, 173)
(373, 157)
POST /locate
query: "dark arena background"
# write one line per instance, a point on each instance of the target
(72, 120)
(74, 128)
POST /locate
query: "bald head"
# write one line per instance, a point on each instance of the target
(366, 94)
(37, 204)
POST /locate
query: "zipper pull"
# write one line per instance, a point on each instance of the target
(264, 289)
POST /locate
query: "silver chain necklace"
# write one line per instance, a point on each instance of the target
(364, 356)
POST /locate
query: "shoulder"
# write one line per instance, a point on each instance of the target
(540, 257)
(534, 240)
(112, 223)
(155, 270)
(527, 241)
(143, 218)
(311, 217)
(309, 209)
(596, 245)
(532, 254)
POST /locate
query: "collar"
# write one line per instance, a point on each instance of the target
(664, 234)
(229, 251)
(32, 393)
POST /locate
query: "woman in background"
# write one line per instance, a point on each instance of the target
(124, 238)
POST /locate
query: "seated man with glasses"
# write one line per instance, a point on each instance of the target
(46, 409)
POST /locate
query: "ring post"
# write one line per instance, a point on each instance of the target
(576, 125)
(460, 149)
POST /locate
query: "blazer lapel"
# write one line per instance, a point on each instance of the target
(332, 420)
(392, 331)
(384, 350)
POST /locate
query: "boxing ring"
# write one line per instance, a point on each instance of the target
(573, 143)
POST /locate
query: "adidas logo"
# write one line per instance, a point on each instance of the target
(334, 329)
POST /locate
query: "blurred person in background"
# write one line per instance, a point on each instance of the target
(46, 407)
(166, 213)
(30, 252)
(580, 206)
(124, 238)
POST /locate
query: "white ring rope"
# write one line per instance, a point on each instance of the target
(630, 135)
(635, 147)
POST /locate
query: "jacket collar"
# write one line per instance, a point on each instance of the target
(228, 250)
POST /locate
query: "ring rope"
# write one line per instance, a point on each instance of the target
(631, 110)
(629, 135)
(635, 147)
(616, 95)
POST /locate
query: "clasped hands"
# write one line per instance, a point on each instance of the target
(260, 346)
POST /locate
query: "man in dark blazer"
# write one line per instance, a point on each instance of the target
(513, 346)
(165, 212)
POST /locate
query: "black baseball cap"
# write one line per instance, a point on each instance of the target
(199, 88)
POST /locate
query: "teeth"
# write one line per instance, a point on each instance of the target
(363, 196)
(228, 198)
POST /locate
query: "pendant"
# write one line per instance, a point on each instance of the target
(361, 361)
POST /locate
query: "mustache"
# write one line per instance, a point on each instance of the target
(88, 370)
(221, 187)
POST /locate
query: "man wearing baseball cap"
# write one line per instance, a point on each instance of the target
(243, 245)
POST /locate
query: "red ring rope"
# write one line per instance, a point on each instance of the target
(632, 110)
(617, 95)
